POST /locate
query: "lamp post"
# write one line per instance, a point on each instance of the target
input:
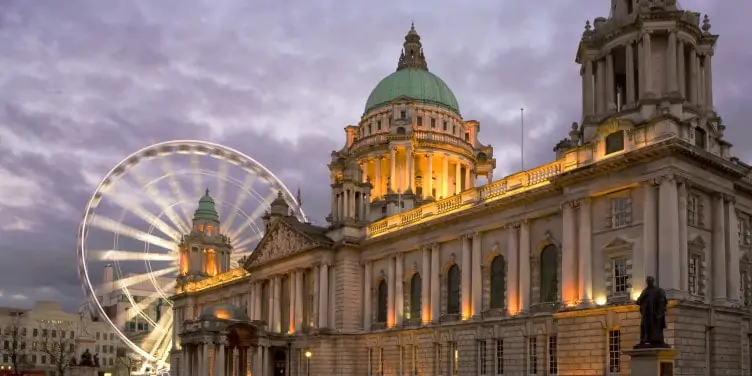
(308, 362)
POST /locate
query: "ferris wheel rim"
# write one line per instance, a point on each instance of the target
(190, 147)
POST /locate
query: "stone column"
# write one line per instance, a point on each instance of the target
(219, 363)
(683, 241)
(465, 288)
(293, 281)
(185, 360)
(681, 68)
(649, 255)
(392, 169)
(324, 295)
(668, 234)
(425, 286)
(411, 169)
(610, 101)
(640, 70)
(367, 295)
(445, 177)
(600, 87)
(390, 276)
(524, 269)
(672, 86)
(709, 81)
(176, 327)
(631, 98)
(457, 178)
(205, 370)
(378, 184)
(435, 290)
(316, 282)
(701, 79)
(648, 66)
(693, 76)
(477, 277)
(242, 361)
(258, 361)
(513, 270)
(257, 300)
(277, 304)
(429, 180)
(468, 180)
(733, 280)
(299, 300)
(399, 300)
(587, 88)
(250, 300)
(585, 264)
(569, 255)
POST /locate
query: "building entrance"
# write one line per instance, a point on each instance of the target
(279, 363)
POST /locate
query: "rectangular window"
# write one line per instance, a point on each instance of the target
(614, 352)
(692, 203)
(744, 288)
(445, 125)
(439, 359)
(455, 358)
(403, 356)
(745, 355)
(420, 121)
(693, 274)
(621, 277)
(482, 357)
(553, 356)
(433, 123)
(499, 357)
(381, 360)
(403, 114)
(370, 362)
(532, 356)
(621, 212)
(378, 125)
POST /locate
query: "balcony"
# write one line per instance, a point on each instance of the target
(419, 138)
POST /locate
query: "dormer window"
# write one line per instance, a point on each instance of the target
(403, 114)
(615, 142)
(701, 138)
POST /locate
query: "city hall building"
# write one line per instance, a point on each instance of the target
(424, 271)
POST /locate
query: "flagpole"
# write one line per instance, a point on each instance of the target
(522, 139)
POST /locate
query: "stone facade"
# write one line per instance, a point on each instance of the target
(535, 273)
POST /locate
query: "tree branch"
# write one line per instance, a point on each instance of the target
(58, 343)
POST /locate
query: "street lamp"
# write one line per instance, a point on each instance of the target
(308, 362)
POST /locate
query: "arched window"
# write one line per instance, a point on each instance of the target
(400, 130)
(549, 284)
(701, 137)
(615, 142)
(498, 282)
(453, 290)
(383, 297)
(416, 285)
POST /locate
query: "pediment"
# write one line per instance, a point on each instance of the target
(613, 125)
(698, 241)
(279, 242)
(618, 243)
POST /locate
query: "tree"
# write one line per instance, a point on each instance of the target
(127, 360)
(14, 343)
(58, 342)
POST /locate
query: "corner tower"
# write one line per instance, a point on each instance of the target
(205, 251)
(647, 59)
(412, 143)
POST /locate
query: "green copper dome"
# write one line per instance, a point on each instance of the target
(206, 209)
(414, 83)
(413, 80)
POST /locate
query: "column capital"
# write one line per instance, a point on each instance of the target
(429, 154)
(668, 178)
(585, 201)
(574, 204)
(512, 225)
(435, 246)
(729, 198)
(646, 33)
(399, 256)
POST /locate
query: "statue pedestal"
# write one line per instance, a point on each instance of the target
(83, 371)
(652, 361)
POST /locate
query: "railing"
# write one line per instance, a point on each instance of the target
(507, 186)
(421, 137)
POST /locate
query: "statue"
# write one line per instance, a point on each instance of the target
(96, 360)
(652, 302)
(86, 359)
(73, 362)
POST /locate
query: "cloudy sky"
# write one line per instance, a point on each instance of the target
(84, 83)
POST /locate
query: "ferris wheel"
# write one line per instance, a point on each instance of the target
(129, 238)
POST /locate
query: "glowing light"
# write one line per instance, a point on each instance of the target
(115, 227)
(222, 278)
(118, 255)
(147, 217)
(175, 188)
(308, 354)
(219, 195)
(154, 194)
(600, 300)
(240, 199)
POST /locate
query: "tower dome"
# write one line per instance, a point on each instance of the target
(413, 80)
(206, 210)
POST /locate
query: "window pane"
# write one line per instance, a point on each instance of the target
(497, 282)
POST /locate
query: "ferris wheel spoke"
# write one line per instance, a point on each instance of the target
(198, 181)
(113, 226)
(156, 196)
(120, 255)
(254, 215)
(175, 187)
(221, 180)
(147, 217)
(248, 240)
(125, 283)
(240, 199)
